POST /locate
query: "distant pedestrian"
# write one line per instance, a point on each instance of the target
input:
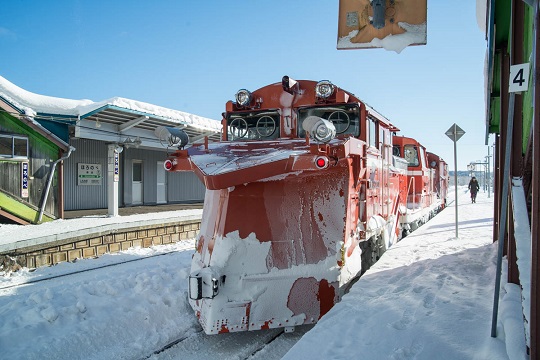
(473, 188)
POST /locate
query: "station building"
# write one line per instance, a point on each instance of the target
(116, 136)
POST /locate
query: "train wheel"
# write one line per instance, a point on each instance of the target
(380, 248)
(372, 250)
(366, 255)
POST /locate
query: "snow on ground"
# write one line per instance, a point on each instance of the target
(429, 297)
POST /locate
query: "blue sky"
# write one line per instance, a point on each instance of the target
(193, 56)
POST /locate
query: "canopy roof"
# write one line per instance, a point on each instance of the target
(112, 119)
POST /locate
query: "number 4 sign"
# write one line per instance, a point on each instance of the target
(519, 78)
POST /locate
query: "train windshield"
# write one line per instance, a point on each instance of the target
(344, 117)
(262, 125)
(410, 153)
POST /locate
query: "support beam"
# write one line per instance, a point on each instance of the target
(202, 136)
(113, 177)
(535, 211)
(131, 123)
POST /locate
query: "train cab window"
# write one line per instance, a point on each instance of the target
(344, 117)
(372, 132)
(396, 151)
(410, 153)
(253, 126)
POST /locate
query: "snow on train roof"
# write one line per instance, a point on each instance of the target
(33, 104)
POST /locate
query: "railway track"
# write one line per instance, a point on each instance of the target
(251, 345)
(47, 277)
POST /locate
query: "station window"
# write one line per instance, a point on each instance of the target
(13, 146)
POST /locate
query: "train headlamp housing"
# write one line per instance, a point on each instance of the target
(203, 284)
(243, 97)
(319, 129)
(324, 89)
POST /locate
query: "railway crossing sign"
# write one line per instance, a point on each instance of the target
(455, 132)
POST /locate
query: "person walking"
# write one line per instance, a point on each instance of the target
(473, 188)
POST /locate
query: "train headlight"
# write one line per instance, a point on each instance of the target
(172, 136)
(319, 129)
(324, 89)
(203, 284)
(243, 97)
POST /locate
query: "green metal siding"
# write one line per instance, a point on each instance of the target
(42, 153)
(527, 97)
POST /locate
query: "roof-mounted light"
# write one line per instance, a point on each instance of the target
(324, 89)
(243, 97)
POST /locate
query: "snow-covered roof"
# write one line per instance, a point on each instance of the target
(34, 104)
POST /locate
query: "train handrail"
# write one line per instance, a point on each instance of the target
(414, 190)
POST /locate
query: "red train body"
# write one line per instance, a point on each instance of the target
(304, 193)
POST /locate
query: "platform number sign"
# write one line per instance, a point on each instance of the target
(519, 78)
(24, 180)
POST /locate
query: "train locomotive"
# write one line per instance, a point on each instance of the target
(305, 191)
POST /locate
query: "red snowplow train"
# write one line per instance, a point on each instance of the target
(305, 191)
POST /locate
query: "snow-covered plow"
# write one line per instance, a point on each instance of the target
(302, 196)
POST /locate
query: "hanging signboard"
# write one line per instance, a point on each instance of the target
(389, 24)
(89, 174)
(24, 180)
(116, 167)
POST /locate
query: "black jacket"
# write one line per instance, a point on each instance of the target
(473, 186)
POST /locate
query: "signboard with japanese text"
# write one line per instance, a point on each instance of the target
(89, 174)
(24, 180)
(116, 167)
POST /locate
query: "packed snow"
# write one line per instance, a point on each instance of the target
(429, 297)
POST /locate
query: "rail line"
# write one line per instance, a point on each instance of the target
(46, 278)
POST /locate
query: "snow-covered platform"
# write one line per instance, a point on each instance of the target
(14, 237)
(430, 296)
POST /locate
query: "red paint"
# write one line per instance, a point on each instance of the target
(266, 325)
(303, 298)
(326, 296)
(223, 330)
